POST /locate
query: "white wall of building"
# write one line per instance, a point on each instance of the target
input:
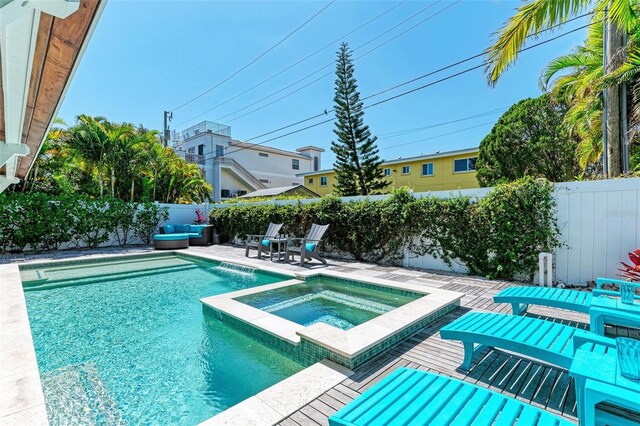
(273, 167)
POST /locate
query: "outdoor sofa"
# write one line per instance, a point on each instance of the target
(199, 235)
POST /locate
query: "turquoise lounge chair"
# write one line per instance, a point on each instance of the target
(548, 341)
(521, 297)
(415, 397)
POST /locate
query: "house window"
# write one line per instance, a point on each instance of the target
(263, 154)
(427, 169)
(225, 193)
(406, 170)
(201, 149)
(387, 172)
(310, 181)
(264, 180)
(464, 164)
(294, 184)
(295, 164)
(192, 150)
(323, 181)
(219, 150)
(316, 164)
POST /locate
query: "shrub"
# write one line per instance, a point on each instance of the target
(123, 215)
(498, 236)
(148, 217)
(33, 219)
(93, 222)
(43, 222)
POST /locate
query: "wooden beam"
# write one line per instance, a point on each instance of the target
(55, 59)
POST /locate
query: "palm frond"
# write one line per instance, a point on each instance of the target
(531, 18)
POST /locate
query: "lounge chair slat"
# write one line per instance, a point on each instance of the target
(387, 400)
(382, 392)
(404, 405)
(574, 300)
(544, 340)
(470, 412)
(529, 416)
(436, 400)
(437, 403)
(509, 414)
(552, 331)
(563, 340)
(456, 404)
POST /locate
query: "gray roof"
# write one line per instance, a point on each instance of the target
(273, 192)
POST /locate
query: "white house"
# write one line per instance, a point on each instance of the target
(234, 168)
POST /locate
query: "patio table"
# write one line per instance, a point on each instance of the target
(281, 244)
(606, 383)
(608, 310)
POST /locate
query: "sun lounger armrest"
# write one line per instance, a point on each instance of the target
(582, 337)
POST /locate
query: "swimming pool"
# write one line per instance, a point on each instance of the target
(331, 301)
(128, 342)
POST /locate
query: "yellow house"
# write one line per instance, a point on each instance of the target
(434, 172)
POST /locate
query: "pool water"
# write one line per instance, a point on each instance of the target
(138, 348)
(334, 302)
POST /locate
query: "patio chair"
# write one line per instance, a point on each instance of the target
(521, 297)
(409, 396)
(547, 341)
(260, 242)
(307, 248)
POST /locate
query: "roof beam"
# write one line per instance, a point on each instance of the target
(19, 25)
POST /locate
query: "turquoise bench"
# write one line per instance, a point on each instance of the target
(548, 341)
(520, 297)
(412, 397)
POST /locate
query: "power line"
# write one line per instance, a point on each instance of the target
(257, 58)
(326, 46)
(327, 66)
(395, 134)
(438, 136)
(398, 95)
(330, 64)
(358, 57)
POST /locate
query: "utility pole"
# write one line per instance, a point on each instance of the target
(612, 132)
(168, 116)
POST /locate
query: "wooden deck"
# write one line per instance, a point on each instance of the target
(537, 383)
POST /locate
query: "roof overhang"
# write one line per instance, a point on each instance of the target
(41, 43)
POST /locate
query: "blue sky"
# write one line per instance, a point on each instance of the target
(149, 56)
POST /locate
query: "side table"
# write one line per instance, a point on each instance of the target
(608, 310)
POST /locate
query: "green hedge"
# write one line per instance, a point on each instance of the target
(498, 236)
(45, 222)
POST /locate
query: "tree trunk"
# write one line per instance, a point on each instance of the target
(113, 182)
(133, 182)
(154, 185)
(100, 184)
(614, 58)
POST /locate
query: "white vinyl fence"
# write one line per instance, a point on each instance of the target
(599, 223)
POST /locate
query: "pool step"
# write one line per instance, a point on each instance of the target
(32, 286)
(75, 395)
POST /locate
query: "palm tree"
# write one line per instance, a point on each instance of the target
(537, 16)
(88, 142)
(576, 79)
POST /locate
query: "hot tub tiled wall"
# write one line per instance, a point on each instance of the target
(308, 353)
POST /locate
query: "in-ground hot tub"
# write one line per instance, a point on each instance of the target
(321, 299)
(327, 316)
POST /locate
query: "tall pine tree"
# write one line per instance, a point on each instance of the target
(357, 164)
